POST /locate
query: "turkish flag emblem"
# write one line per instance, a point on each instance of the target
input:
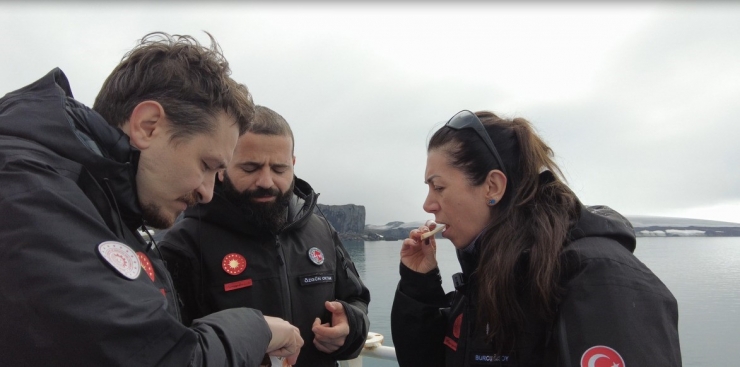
(146, 265)
(456, 326)
(234, 264)
(601, 356)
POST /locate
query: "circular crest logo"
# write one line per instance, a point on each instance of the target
(234, 263)
(121, 257)
(601, 356)
(316, 256)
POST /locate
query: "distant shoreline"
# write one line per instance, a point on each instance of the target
(692, 231)
(349, 221)
(644, 226)
(653, 231)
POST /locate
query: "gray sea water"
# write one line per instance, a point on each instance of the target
(703, 273)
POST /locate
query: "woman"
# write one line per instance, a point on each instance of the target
(545, 280)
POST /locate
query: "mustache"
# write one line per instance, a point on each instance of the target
(263, 192)
(191, 199)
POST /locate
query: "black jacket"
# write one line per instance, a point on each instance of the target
(66, 186)
(279, 279)
(612, 302)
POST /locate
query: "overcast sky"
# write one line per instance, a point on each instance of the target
(640, 102)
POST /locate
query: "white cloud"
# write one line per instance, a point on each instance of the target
(727, 212)
(637, 100)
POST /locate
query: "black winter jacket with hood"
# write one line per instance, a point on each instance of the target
(614, 311)
(67, 185)
(278, 277)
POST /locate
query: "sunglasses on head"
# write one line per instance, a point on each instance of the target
(468, 120)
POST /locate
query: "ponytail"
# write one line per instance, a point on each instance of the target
(519, 266)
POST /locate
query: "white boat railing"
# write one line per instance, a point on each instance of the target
(373, 349)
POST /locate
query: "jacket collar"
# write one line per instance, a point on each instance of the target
(45, 112)
(221, 212)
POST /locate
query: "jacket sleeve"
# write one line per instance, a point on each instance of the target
(418, 319)
(63, 304)
(354, 297)
(232, 337)
(621, 305)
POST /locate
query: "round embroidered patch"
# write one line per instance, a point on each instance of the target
(601, 356)
(234, 263)
(146, 265)
(316, 256)
(120, 257)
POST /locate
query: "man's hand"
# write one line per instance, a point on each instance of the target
(286, 339)
(330, 337)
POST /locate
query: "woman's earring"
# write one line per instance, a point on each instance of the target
(492, 202)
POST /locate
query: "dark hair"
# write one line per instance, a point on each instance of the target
(190, 81)
(269, 122)
(518, 267)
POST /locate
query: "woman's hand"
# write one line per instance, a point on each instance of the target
(417, 254)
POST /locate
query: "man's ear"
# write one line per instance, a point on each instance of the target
(147, 121)
(293, 161)
(495, 185)
(221, 175)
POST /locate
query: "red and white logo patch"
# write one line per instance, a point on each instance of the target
(316, 256)
(120, 257)
(146, 265)
(601, 356)
(234, 263)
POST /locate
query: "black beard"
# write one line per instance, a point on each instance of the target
(269, 216)
(153, 217)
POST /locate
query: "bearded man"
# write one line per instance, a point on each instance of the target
(259, 244)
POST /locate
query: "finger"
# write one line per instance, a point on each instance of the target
(321, 329)
(316, 323)
(415, 234)
(292, 347)
(325, 347)
(320, 346)
(331, 343)
(334, 307)
(298, 338)
(282, 352)
(334, 332)
(409, 247)
(339, 315)
(422, 230)
(410, 243)
(327, 334)
(292, 359)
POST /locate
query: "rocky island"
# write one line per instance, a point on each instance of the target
(349, 222)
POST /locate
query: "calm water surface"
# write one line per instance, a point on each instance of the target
(702, 273)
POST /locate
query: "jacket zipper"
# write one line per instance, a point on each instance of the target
(175, 299)
(285, 281)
